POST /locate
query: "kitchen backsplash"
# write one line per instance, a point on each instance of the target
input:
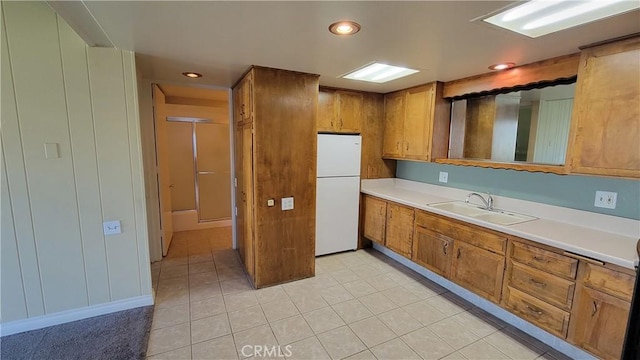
(572, 191)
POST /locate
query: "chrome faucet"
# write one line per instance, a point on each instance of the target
(488, 203)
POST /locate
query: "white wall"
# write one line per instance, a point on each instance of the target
(55, 89)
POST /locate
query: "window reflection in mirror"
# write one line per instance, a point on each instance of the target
(523, 126)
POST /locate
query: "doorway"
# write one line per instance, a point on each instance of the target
(193, 159)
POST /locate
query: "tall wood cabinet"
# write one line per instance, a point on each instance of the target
(276, 245)
(417, 123)
(606, 111)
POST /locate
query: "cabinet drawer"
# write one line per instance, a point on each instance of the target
(609, 281)
(548, 317)
(544, 260)
(473, 235)
(552, 289)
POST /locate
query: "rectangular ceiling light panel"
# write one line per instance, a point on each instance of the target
(379, 73)
(541, 17)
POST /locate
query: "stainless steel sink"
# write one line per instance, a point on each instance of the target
(495, 216)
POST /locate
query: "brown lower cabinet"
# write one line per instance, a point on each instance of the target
(478, 270)
(599, 323)
(399, 237)
(375, 219)
(583, 301)
(432, 250)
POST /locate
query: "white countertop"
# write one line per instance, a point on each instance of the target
(603, 237)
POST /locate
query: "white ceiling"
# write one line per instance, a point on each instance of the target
(222, 39)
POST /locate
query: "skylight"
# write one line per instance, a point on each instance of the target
(541, 17)
(379, 73)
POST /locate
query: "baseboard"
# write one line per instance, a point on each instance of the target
(185, 220)
(493, 309)
(66, 316)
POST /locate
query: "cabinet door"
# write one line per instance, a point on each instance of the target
(393, 123)
(245, 96)
(599, 322)
(478, 270)
(416, 131)
(606, 113)
(349, 111)
(375, 219)
(326, 110)
(400, 229)
(432, 250)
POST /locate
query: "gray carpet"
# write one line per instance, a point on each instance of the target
(120, 335)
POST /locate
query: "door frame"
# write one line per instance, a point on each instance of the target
(149, 155)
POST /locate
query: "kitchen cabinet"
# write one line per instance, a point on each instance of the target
(606, 111)
(375, 219)
(243, 94)
(244, 194)
(373, 166)
(432, 250)
(399, 229)
(478, 270)
(575, 298)
(599, 322)
(539, 286)
(339, 111)
(601, 310)
(276, 246)
(417, 123)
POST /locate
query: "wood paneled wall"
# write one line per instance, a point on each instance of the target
(56, 90)
(284, 165)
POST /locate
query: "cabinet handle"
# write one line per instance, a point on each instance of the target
(407, 146)
(595, 308)
(540, 258)
(537, 283)
(242, 109)
(341, 123)
(331, 123)
(381, 212)
(444, 247)
(534, 310)
(459, 253)
(390, 214)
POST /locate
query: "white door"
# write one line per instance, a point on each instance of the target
(164, 176)
(337, 206)
(339, 155)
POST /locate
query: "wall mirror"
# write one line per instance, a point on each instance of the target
(528, 126)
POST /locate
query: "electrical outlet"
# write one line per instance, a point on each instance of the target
(444, 177)
(270, 202)
(111, 227)
(287, 203)
(606, 199)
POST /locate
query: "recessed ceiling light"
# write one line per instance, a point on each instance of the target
(193, 75)
(502, 66)
(379, 73)
(541, 17)
(344, 28)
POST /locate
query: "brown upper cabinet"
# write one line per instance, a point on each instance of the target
(339, 111)
(243, 95)
(606, 114)
(416, 124)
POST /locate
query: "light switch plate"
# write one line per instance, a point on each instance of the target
(287, 203)
(270, 202)
(112, 227)
(444, 177)
(606, 199)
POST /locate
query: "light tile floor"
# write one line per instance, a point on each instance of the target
(360, 305)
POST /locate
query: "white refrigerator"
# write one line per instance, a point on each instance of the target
(337, 193)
